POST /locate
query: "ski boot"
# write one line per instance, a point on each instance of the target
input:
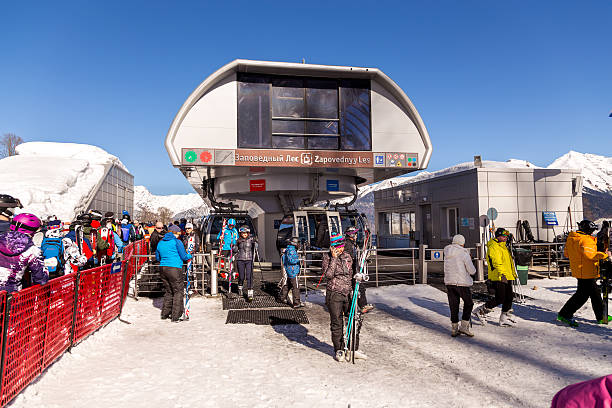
(358, 355)
(339, 356)
(298, 306)
(480, 313)
(602, 320)
(250, 295)
(465, 328)
(367, 308)
(239, 290)
(569, 322)
(454, 329)
(504, 320)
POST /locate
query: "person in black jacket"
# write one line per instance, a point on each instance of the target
(245, 248)
(156, 236)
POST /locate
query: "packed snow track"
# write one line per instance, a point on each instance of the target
(413, 361)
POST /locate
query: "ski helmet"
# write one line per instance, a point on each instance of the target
(231, 222)
(351, 231)
(587, 226)
(95, 215)
(502, 232)
(244, 228)
(8, 202)
(294, 241)
(25, 223)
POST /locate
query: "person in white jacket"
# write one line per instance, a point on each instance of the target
(458, 268)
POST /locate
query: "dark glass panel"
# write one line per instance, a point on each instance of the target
(323, 143)
(322, 99)
(288, 126)
(288, 142)
(288, 98)
(322, 128)
(355, 126)
(254, 115)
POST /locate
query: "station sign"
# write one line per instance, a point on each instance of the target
(550, 218)
(333, 185)
(257, 185)
(297, 158)
(437, 255)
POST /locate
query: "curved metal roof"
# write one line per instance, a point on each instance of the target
(287, 68)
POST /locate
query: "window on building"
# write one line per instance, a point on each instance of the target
(452, 221)
(396, 227)
(408, 222)
(303, 113)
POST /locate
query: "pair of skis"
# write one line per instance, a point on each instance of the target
(351, 328)
(190, 249)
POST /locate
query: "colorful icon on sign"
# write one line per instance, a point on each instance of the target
(396, 156)
(205, 156)
(389, 156)
(402, 156)
(379, 159)
(191, 156)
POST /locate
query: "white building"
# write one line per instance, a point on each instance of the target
(431, 208)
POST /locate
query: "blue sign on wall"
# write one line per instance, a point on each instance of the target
(550, 218)
(333, 185)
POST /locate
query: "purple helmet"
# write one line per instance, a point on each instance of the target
(25, 223)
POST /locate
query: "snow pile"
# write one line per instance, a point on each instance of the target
(55, 178)
(413, 360)
(176, 203)
(596, 169)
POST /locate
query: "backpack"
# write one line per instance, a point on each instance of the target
(125, 232)
(107, 235)
(53, 252)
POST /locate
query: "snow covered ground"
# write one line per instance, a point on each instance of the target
(413, 360)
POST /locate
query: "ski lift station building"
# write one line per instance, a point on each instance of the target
(288, 135)
(432, 207)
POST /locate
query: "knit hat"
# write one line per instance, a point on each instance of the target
(459, 239)
(336, 241)
(174, 228)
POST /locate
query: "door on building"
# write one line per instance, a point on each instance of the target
(426, 224)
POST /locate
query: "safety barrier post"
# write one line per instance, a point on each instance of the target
(376, 264)
(214, 290)
(479, 263)
(423, 263)
(123, 285)
(7, 315)
(74, 309)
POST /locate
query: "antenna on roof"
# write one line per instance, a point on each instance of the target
(477, 161)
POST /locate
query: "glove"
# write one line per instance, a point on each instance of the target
(504, 279)
(359, 277)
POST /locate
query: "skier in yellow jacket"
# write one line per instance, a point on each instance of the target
(501, 274)
(581, 249)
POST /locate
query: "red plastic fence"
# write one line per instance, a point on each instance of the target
(44, 321)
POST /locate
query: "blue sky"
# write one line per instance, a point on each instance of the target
(514, 79)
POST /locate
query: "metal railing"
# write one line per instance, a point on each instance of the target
(547, 257)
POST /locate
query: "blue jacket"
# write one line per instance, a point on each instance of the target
(118, 243)
(171, 252)
(230, 237)
(291, 262)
